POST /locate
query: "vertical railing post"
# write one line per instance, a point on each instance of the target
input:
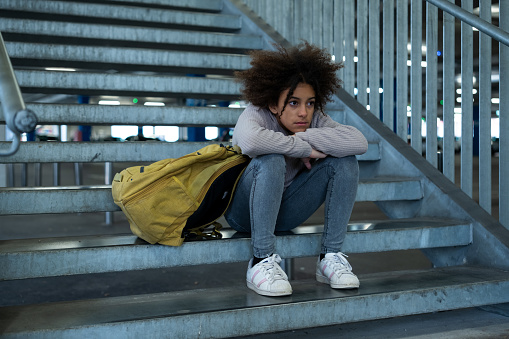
(362, 52)
(467, 117)
(306, 20)
(402, 70)
(374, 57)
(485, 111)
(108, 179)
(339, 34)
(388, 63)
(349, 49)
(504, 120)
(328, 23)
(316, 32)
(416, 75)
(431, 83)
(448, 95)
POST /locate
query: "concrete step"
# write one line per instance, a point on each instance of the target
(236, 311)
(117, 35)
(125, 59)
(56, 82)
(31, 258)
(119, 13)
(97, 198)
(119, 151)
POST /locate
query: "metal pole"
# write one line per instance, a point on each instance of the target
(339, 35)
(78, 173)
(362, 52)
(485, 111)
(56, 174)
(499, 34)
(448, 96)
(431, 83)
(416, 75)
(374, 57)
(388, 63)
(402, 71)
(467, 127)
(504, 121)
(349, 50)
(37, 174)
(108, 178)
(18, 118)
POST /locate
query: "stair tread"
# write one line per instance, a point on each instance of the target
(128, 84)
(123, 12)
(437, 289)
(30, 258)
(154, 59)
(130, 34)
(95, 241)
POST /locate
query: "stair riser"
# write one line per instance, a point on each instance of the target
(98, 199)
(113, 152)
(132, 115)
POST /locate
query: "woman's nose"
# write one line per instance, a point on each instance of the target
(302, 111)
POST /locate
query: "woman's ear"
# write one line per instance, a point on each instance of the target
(273, 109)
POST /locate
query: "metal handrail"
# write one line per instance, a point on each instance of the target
(19, 119)
(473, 20)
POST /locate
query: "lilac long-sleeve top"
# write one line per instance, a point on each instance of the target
(258, 132)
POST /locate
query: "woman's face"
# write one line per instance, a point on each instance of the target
(299, 109)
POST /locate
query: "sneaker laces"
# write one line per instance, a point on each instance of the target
(339, 263)
(271, 269)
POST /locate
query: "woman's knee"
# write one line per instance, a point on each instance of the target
(275, 163)
(346, 166)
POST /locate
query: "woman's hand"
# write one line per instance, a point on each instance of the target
(314, 155)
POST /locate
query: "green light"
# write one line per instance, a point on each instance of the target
(442, 102)
(135, 100)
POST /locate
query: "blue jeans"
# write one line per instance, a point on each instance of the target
(261, 205)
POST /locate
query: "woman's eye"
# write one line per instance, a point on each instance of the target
(311, 103)
(293, 103)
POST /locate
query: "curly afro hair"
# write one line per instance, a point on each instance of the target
(273, 72)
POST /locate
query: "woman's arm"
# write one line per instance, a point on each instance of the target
(333, 138)
(257, 133)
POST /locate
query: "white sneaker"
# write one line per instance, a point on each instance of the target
(335, 270)
(267, 277)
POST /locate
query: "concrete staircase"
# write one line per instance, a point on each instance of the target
(146, 48)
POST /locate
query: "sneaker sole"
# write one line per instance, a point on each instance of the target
(322, 279)
(253, 287)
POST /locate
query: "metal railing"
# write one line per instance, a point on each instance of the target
(386, 63)
(19, 119)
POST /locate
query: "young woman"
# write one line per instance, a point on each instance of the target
(301, 158)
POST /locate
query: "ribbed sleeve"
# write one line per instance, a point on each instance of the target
(258, 132)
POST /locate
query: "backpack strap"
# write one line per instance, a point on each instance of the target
(199, 233)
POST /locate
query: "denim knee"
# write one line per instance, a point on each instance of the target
(347, 167)
(273, 162)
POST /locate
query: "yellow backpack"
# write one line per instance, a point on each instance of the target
(170, 198)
